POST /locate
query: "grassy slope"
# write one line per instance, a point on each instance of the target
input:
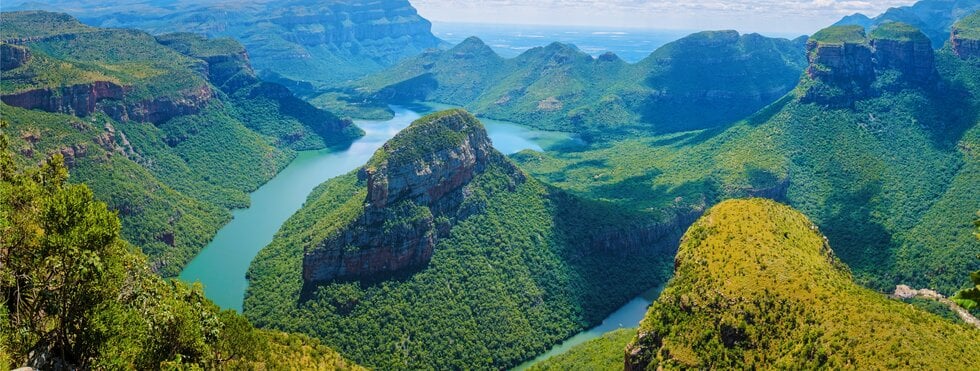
(756, 284)
(506, 284)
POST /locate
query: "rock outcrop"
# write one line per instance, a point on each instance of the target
(78, 99)
(13, 56)
(965, 37)
(845, 61)
(417, 185)
(904, 48)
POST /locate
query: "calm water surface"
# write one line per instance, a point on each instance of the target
(627, 316)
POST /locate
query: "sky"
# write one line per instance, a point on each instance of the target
(772, 16)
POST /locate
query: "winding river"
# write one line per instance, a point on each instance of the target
(222, 265)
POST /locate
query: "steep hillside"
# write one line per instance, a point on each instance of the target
(77, 296)
(440, 253)
(170, 137)
(934, 17)
(885, 164)
(757, 285)
(301, 43)
(703, 80)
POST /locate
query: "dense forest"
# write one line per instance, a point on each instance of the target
(74, 294)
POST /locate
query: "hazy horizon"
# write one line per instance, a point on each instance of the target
(746, 16)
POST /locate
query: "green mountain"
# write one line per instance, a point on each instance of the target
(757, 285)
(877, 148)
(440, 253)
(300, 43)
(934, 17)
(172, 131)
(704, 80)
(78, 296)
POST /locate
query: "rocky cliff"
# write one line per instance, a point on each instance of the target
(13, 56)
(296, 40)
(416, 188)
(845, 61)
(78, 99)
(901, 47)
(965, 37)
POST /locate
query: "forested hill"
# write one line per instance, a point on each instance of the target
(171, 131)
(876, 146)
(704, 80)
(300, 43)
(440, 253)
(757, 285)
(75, 295)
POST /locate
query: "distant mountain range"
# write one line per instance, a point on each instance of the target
(703, 80)
(300, 43)
(933, 17)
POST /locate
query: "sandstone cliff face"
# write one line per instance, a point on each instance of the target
(965, 37)
(159, 110)
(79, 99)
(412, 200)
(13, 56)
(844, 61)
(965, 48)
(914, 59)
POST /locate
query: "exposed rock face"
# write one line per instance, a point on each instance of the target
(416, 188)
(965, 48)
(965, 37)
(901, 47)
(844, 61)
(13, 56)
(161, 109)
(80, 99)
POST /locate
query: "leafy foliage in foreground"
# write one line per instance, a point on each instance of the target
(74, 294)
(756, 285)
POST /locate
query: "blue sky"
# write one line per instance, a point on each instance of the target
(782, 16)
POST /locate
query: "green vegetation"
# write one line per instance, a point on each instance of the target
(969, 26)
(840, 35)
(756, 285)
(505, 284)
(38, 24)
(891, 179)
(73, 293)
(173, 181)
(425, 136)
(704, 80)
(898, 31)
(308, 44)
(602, 354)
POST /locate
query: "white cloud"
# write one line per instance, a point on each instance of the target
(786, 16)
